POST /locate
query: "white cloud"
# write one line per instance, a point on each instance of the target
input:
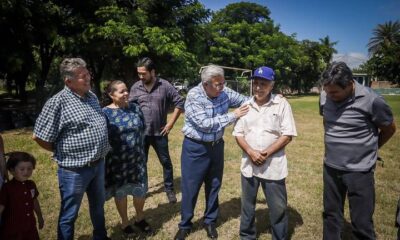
(352, 59)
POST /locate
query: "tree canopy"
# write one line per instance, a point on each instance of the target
(384, 50)
(179, 35)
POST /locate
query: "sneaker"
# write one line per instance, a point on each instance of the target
(171, 197)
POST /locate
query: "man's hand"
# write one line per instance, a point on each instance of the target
(264, 153)
(166, 129)
(256, 157)
(241, 111)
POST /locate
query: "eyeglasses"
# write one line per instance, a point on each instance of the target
(218, 85)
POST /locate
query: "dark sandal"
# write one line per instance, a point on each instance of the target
(128, 230)
(143, 226)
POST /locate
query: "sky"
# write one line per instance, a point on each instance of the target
(350, 22)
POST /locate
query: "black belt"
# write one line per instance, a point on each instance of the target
(88, 164)
(93, 163)
(212, 143)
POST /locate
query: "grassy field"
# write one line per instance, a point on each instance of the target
(304, 185)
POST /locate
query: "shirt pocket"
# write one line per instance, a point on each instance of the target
(271, 123)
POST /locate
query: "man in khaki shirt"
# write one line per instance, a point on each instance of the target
(263, 134)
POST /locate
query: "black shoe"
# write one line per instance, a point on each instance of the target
(144, 227)
(182, 234)
(171, 197)
(128, 230)
(211, 231)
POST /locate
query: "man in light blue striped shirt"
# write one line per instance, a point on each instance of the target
(73, 127)
(202, 159)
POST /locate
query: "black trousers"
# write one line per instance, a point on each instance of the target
(360, 190)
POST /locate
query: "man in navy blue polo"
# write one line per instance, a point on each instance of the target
(202, 159)
(357, 123)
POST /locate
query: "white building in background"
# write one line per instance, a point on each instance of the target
(362, 78)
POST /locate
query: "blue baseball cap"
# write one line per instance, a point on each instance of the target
(265, 73)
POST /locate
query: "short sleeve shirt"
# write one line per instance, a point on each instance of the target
(76, 126)
(351, 129)
(261, 127)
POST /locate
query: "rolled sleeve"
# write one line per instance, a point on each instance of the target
(176, 98)
(198, 115)
(381, 113)
(288, 126)
(48, 123)
(238, 129)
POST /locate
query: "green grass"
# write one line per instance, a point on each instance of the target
(304, 185)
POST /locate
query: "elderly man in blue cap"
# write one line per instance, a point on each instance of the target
(263, 134)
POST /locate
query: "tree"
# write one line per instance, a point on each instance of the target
(327, 49)
(243, 35)
(385, 35)
(384, 49)
(167, 31)
(235, 29)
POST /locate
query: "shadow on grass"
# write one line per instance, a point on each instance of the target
(159, 188)
(231, 209)
(227, 210)
(262, 216)
(156, 216)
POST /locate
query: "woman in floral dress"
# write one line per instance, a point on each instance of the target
(126, 172)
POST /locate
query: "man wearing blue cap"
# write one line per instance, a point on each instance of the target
(263, 134)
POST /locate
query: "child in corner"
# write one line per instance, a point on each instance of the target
(18, 200)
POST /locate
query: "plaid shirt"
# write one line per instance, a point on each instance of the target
(76, 126)
(155, 103)
(206, 118)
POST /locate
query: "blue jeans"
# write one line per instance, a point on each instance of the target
(200, 163)
(160, 145)
(73, 183)
(360, 190)
(276, 196)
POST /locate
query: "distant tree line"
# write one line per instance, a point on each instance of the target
(180, 35)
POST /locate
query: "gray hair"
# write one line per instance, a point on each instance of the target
(69, 65)
(210, 72)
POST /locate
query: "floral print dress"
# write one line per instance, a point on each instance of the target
(126, 171)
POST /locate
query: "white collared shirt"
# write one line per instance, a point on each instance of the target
(261, 127)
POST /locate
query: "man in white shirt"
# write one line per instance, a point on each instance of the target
(263, 134)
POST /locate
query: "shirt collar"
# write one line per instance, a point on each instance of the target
(156, 83)
(359, 91)
(274, 99)
(86, 96)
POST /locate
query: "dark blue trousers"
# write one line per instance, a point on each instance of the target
(160, 145)
(360, 190)
(200, 163)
